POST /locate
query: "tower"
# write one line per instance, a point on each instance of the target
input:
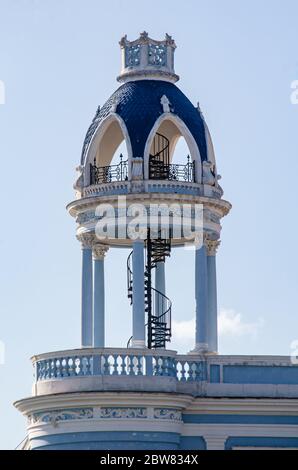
(146, 396)
(149, 113)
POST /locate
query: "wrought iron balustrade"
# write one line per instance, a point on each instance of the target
(108, 174)
(172, 171)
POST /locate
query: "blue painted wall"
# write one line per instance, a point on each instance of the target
(261, 442)
(260, 374)
(108, 441)
(239, 419)
(192, 443)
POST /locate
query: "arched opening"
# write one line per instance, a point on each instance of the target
(109, 153)
(164, 158)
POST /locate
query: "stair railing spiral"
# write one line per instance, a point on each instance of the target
(159, 310)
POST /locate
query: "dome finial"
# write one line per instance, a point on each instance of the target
(147, 58)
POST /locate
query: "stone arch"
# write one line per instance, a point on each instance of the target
(172, 127)
(110, 133)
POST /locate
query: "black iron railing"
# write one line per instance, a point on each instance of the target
(107, 174)
(157, 305)
(173, 172)
(158, 170)
(182, 172)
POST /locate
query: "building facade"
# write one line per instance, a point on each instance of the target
(146, 396)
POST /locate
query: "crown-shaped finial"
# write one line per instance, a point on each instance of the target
(147, 58)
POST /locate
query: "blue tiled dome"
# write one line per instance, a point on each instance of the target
(138, 104)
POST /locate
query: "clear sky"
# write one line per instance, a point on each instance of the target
(58, 61)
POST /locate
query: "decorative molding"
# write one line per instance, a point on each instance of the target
(53, 417)
(145, 39)
(114, 106)
(99, 251)
(212, 246)
(146, 57)
(164, 101)
(86, 239)
(79, 183)
(208, 173)
(115, 187)
(124, 413)
(167, 413)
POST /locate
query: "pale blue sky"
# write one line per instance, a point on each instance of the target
(59, 60)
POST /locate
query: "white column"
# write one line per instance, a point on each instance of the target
(212, 246)
(86, 312)
(160, 286)
(201, 295)
(138, 291)
(214, 441)
(99, 252)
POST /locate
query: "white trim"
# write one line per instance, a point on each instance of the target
(236, 430)
(108, 425)
(247, 406)
(209, 145)
(99, 133)
(185, 133)
(87, 399)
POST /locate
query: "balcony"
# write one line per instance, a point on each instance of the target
(109, 174)
(158, 170)
(162, 371)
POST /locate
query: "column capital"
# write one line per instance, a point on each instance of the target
(99, 251)
(211, 246)
(86, 239)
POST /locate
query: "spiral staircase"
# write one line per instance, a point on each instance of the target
(157, 305)
(159, 160)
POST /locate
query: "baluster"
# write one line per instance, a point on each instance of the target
(106, 365)
(188, 168)
(88, 365)
(139, 365)
(75, 365)
(166, 370)
(45, 369)
(50, 369)
(196, 371)
(121, 168)
(191, 372)
(62, 367)
(163, 366)
(101, 364)
(115, 364)
(159, 367)
(173, 367)
(122, 364)
(72, 367)
(183, 377)
(41, 370)
(57, 367)
(67, 366)
(37, 370)
(131, 365)
(156, 366)
(53, 368)
(82, 366)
